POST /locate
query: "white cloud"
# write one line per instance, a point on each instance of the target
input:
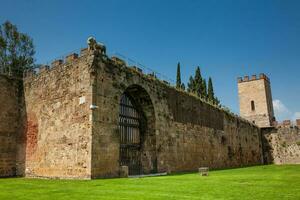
(279, 107)
(296, 115)
(282, 112)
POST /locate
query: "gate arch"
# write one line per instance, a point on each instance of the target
(137, 131)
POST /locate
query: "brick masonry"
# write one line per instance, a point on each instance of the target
(57, 127)
(281, 145)
(183, 132)
(70, 124)
(9, 125)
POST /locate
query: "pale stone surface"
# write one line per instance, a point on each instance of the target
(183, 132)
(282, 145)
(58, 129)
(68, 137)
(257, 90)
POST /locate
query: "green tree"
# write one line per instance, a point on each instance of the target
(211, 94)
(178, 77)
(191, 85)
(198, 83)
(204, 89)
(216, 101)
(16, 51)
(210, 90)
(182, 86)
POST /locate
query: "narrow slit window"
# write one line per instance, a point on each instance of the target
(252, 106)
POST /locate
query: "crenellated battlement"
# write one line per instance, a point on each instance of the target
(80, 99)
(96, 49)
(287, 123)
(64, 60)
(254, 77)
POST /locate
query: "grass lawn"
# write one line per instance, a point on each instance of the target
(261, 182)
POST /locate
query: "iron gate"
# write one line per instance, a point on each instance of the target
(130, 140)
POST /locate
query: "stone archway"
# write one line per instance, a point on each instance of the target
(137, 131)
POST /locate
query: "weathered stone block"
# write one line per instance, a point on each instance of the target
(298, 122)
(44, 68)
(56, 63)
(10, 124)
(71, 57)
(286, 123)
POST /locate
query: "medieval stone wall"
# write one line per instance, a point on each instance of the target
(208, 137)
(9, 124)
(57, 121)
(282, 145)
(183, 132)
(70, 119)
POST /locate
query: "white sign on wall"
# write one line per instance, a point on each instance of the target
(81, 100)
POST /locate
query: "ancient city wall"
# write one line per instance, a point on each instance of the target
(70, 121)
(282, 144)
(206, 136)
(57, 125)
(183, 133)
(9, 124)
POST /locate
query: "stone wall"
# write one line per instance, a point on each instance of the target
(70, 120)
(282, 145)
(183, 132)
(57, 124)
(9, 124)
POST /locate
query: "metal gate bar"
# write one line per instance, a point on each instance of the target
(130, 144)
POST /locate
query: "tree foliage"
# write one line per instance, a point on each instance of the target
(179, 84)
(16, 51)
(198, 82)
(182, 86)
(210, 92)
(191, 85)
(204, 89)
(201, 88)
(178, 77)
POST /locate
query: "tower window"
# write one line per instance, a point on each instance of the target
(252, 106)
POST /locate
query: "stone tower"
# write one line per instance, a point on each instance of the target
(256, 100)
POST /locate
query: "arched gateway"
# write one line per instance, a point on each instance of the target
(137, 132)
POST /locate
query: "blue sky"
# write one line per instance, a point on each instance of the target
(226, 39)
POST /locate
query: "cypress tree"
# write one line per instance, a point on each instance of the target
(198, 84)
(178, 78)
(216, 101)
(210, 90)
(204, 89)
(191, 85)
(182, 86)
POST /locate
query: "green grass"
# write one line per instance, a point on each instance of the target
(261, 182)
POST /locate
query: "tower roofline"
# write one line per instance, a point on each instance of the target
(253, 78)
